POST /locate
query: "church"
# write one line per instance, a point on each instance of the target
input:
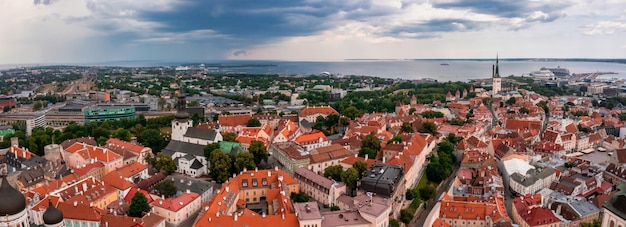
(14, 212)
(187, 142)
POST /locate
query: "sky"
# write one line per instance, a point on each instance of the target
(83, 31)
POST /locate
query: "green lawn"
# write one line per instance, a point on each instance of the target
(424, 181)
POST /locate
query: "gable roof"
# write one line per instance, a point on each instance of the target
(324, 110)
(183, 147)
(201, 133)
(135, 148)
(67, 143)
(234, 120)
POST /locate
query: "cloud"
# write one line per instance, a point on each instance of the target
(43, 2)
(604, 28)
(238, 53)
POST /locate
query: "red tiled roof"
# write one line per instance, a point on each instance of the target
(234, 120)
(135, 148)
(311, 137)
(79, 211)
(67, 143)
(131, 193)
(84, 170)
(19, 152)
(175, 204)
(117, 181)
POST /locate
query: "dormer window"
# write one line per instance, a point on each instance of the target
(254, 183)
(264, 181)
(244, 183)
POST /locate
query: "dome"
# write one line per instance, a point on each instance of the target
(52, 215)
(181, 115)
(13, 201)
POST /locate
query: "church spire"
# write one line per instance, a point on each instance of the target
(496, 72)
(181, 112)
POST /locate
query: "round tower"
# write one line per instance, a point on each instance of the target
(182, 121)
(52, 152)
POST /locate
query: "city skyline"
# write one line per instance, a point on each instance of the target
(82, 31)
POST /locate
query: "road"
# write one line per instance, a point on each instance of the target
(430, 203)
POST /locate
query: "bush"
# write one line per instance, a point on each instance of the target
(334, 208)
(394, 223)
(406, 215)
(410, 194)
(427, 192)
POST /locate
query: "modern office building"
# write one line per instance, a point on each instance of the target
(108, 113)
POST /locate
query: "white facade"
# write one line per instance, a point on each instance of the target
(185, 162)
(36, 121)
(611, 219)
(19, 219)
(497, 85)
(179, 128)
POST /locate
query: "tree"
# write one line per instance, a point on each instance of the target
(164, 162)
(407, 127)
(152, 138)
(406, 215)
(122, 134)
(395, 139)
(524, 110)
(351, 112)
(259, 151)
(595, 223)
(138, 205)
(435, 172)
(210, 148)
(350, 178)
(410, 194)
(511, 101)
(432, 114)
(411, 111)
(334, 208)
(372, 142)
(244, 160)
(429, 127)
(445, 146)
(253, 122)
(367, 151)
(299, 197)
(37, 106)
(427, 192)
(230, 137)
(220, 166)
(166, 188)
(393, 222)
(334, 172)
(101, 132)
(360, 167)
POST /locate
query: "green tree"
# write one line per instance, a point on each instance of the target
(350, 178)
(259, 151)
(299, 197)
(406, 215)
(165, 162)
(244, 160)
(351, 112)
(138, 205)
(445, 146)
(32, 144)
(396, 138)
(334, 172)
(427, 192)
(367, 151)
(122, 134)
(230, 137)
(432, 114)
(594, 223)
(152, 138)
(428, 127)
(393, 222)
(37, 106)
(524, 110)
(210, 148)
(435, 172)
(334, 208)
(220, 166)
(253, 122)
(407, 127)
(360, 167)
(372, 142)
(166, 188)
(101, 132)
(511, 101)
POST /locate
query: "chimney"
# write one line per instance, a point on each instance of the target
(269, 173)
(84, 186)
(366, 157)
(384, 159)
(75, 203)
(188, 192)
(235, 215)
(227, 189)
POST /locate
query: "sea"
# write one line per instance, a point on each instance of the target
(439, 69)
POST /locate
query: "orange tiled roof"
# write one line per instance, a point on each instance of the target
(117, 181)
(131, 169)
(21, 152)
(325, 110)
(84, 170)
(311, 137)
(78, 211)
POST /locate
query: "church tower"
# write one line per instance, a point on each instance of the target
(496, 79)
(181, 122)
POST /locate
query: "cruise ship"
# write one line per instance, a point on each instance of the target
(543, 73)
(558, 71)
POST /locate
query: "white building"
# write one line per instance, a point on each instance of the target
(38, 120)
(179, 209)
